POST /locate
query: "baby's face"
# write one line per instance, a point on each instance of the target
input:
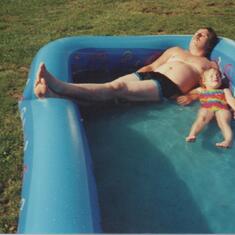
(212, 79)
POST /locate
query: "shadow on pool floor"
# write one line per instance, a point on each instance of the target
(139, 190)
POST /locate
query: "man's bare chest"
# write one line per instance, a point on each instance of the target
(198, 63)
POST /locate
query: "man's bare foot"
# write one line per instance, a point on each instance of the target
(45, 83)
(190, 138)
(41, 90)
(224, 144)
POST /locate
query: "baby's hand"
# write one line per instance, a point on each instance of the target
(184, 100)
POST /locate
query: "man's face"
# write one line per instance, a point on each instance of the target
(200, 39)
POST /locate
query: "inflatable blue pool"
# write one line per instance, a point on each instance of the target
(59, 193)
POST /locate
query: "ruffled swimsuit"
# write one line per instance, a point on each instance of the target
(213, 99)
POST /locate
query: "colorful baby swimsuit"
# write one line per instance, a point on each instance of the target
(213, 99)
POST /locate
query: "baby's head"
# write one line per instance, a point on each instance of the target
(211, 79)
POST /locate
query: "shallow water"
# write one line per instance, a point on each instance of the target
(149, 180)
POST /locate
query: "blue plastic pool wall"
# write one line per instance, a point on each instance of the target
(105, 64)
(59, 190)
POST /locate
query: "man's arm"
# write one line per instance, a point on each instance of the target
(159, 61)
(189, 97)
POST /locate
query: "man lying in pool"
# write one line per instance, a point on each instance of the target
(175, 72)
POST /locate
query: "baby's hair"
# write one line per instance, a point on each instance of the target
(201, 80)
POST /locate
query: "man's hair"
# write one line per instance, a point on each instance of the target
(212, 40)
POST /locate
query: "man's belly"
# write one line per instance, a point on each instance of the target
(184, 75)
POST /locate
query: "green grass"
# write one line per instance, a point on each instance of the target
(26, 25)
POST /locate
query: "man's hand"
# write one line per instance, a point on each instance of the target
(184, 100)
(189, 97)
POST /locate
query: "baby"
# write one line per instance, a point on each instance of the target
(215, 102)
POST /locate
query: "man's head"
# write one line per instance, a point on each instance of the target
(204, 41)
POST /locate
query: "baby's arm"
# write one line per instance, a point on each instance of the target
(230, 100)
(189, 97)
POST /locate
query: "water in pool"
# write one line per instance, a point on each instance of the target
(149, 180)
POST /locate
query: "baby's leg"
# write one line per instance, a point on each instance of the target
(204, 116)
(223, 118)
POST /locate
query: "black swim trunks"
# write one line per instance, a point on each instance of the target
(166, 86)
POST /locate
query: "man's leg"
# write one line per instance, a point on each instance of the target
(128, 87)
(223, 118)
(46, 84)
(146, 90)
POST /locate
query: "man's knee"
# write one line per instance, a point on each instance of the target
(116, 85)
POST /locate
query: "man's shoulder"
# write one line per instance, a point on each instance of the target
(211, 63)
(176, 49)
(214, 64)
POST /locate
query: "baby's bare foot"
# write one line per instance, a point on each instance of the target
(190, 138)
(224, 144)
